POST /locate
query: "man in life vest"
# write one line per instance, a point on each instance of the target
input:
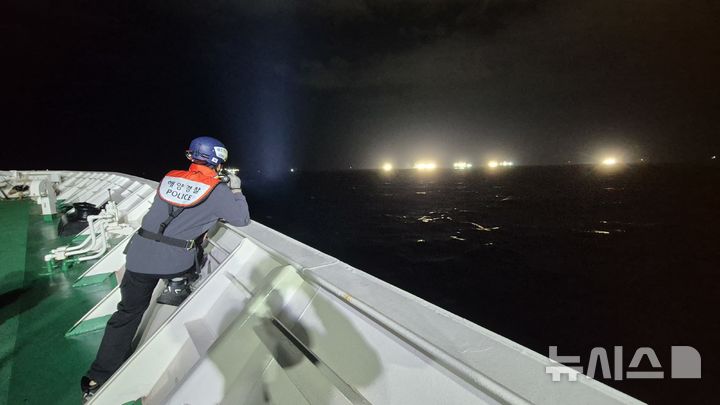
(167, 246)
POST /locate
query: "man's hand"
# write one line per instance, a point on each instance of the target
(234, 183)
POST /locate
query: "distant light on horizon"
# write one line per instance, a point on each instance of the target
(425, 166)
(462, 165)
(504, 163)
(609, 161)
(292, 170)
(387, 167)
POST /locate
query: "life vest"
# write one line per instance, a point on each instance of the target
(182, 189)
(187, 188)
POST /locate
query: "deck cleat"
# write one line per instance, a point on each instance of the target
(50, 264)
(67, 263)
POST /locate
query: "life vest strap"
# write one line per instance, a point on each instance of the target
(172, 214)
(158, 237)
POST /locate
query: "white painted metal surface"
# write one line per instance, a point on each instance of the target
(276, 321)
(44, 193)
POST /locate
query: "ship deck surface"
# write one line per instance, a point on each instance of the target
(37, 362)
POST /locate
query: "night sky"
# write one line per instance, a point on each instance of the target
(126, 85)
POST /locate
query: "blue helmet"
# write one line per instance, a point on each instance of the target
(207, 149)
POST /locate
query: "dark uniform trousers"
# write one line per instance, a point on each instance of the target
(136, 290)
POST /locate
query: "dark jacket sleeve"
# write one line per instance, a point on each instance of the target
(231, 207)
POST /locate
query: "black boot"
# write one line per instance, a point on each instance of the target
(89, 387)
(175, 292)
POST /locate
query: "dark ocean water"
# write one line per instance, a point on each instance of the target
(568, 256)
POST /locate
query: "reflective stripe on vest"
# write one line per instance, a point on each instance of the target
(183, 188)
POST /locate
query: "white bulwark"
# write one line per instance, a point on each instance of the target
(272, 320)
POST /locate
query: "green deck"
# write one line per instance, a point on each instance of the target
(38, 364)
